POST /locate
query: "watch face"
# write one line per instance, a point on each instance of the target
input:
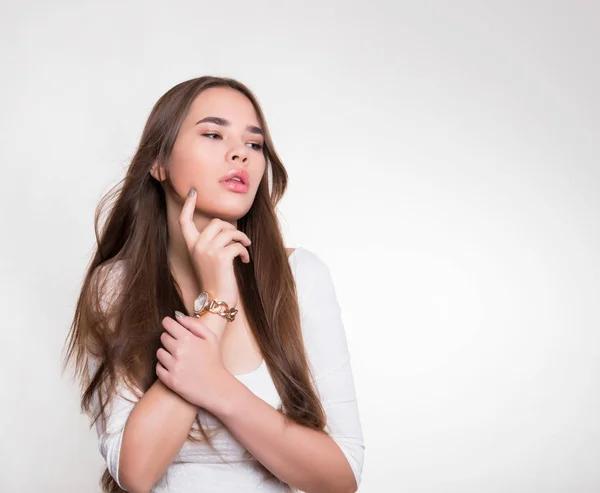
(200, 302)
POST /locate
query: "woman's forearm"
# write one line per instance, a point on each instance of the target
(154, 433)
(302, 457)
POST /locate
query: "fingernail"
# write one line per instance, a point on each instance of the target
(178, 314)
(191, 192)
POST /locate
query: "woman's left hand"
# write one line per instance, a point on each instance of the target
(190, 362)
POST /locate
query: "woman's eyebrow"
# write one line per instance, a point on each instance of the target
(225, 123)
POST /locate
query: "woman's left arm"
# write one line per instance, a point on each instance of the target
(302, 457)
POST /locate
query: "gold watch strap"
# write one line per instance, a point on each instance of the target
(219, 307)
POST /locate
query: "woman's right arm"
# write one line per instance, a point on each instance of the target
(141, 437)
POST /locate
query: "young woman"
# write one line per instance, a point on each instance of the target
(211, 357)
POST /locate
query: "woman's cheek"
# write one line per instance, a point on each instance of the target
(193, 171)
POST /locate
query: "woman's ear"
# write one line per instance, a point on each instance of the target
(158, 172)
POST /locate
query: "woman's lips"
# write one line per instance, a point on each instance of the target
(240, 173)
(235, 186)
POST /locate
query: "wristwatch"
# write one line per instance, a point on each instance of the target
(205, 303)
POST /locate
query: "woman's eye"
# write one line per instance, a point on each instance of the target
(214, 136)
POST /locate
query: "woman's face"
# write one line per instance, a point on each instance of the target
(221, 133)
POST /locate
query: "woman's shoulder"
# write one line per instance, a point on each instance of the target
(307, 257)
(320, 312)
(308, 267)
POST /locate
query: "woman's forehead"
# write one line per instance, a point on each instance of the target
(223, 102)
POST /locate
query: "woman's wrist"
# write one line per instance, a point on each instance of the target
(215, 322)
(208, 302)
(229, 394)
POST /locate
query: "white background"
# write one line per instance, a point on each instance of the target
(443, 161)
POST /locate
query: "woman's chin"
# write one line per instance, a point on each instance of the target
(232, 213)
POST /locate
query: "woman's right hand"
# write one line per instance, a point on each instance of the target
(212, 252)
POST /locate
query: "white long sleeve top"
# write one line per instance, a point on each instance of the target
(197, 468)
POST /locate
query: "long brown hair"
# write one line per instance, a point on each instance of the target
(124, 339)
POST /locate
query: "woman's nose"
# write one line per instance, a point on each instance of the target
(238, 155)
